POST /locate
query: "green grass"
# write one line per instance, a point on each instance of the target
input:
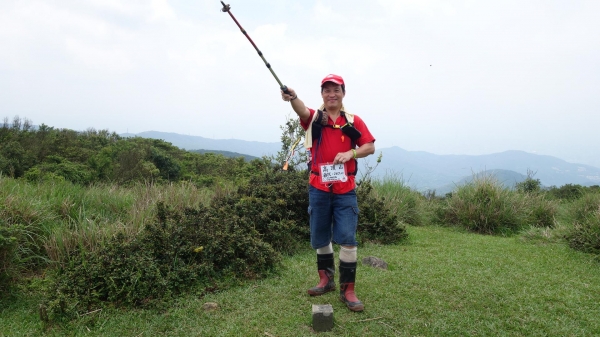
(65, 215)
(442, 282)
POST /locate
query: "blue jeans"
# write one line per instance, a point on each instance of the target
(333, 217)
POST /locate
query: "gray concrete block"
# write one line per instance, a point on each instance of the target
(322, 317)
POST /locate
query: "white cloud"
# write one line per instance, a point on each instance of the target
(426, 7)
(509, 67)
(161, 11)
(97, 57)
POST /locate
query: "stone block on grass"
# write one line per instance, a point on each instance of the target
(322, 317)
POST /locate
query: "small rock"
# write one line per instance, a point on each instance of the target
(210, 306)
(374, 262)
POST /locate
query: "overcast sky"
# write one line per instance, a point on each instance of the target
(447, 77)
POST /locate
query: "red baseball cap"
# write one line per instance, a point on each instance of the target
(333, 78)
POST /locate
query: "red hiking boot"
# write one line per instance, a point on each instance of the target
(347, 278)
(326, 268)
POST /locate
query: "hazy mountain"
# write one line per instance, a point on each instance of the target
(423, 170)
(256, 149)
(228, 154)
(420, 170)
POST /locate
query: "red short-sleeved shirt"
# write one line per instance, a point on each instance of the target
(333, 142)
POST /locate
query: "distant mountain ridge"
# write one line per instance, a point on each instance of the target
(256, 149)
(228, 154)
(420, 170)
(424, 170)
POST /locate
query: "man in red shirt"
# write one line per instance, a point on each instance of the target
(335, 139)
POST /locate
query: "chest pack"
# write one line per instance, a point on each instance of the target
(320, 121)
(315, 128)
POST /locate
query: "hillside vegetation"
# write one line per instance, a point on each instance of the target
(90, 221)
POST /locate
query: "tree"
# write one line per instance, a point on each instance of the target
(292, 137)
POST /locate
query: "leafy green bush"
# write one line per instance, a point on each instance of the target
(178, 250)
(529, 185)
(56, 167)
(567, 192)
(277, 203)
(376, 222)
(484, 206)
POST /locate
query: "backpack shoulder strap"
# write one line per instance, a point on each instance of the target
(349, 117)
(308, 134)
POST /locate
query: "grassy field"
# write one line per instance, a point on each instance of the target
(441, 282)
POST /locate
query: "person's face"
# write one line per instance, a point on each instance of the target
(332, 95)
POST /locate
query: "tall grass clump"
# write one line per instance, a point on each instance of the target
(583, 207)
(45, 221)
(89, 216)
(584, 213)
(484, 206)
(542, 210)
(21, 232)
(376, 221)
(18, 251)
(406, 203)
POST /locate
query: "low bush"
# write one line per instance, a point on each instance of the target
(277, 203)
(567, 192)
(178, 250)
(59, 168)
(376, 221)
(529, 185)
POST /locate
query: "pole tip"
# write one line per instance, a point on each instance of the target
(225, 8)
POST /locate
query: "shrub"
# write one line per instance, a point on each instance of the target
(484, 206)
(276, 202)
(529, 185)
(376, 222)
(57, 167)
(178, 250)
(285, 234)
(568, 192)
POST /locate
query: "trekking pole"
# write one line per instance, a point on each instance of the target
(227, 8)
